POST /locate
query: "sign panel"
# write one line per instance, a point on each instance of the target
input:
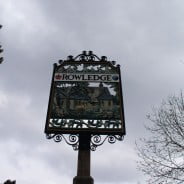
(86, 77)
(86, 96)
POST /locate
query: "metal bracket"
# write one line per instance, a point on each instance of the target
(96, 140)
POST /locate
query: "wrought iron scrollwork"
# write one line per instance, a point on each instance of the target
(78, 123)
(72, 140)
(96, 140)
(86, 56)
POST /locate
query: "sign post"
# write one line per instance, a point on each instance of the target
(85, 107)
(83, 166)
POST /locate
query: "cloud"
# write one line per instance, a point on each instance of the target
(115, 164)
(145, 37)
(18, 164)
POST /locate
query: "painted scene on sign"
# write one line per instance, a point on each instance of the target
(86, 91)
(84, 100)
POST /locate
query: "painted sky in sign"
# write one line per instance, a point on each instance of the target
(145, 37)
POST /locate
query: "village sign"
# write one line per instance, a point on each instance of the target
(85, 97)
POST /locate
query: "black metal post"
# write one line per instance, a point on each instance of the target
(83, 166)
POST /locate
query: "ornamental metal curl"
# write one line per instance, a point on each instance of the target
(96, 140)
(72, 140)
(86, 56)
(112, 138)
(90, 123)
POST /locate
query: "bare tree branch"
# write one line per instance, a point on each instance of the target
(162, 154)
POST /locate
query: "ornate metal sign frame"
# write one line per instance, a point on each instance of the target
(85, 97)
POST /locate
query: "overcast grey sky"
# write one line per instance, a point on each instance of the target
(146, 37)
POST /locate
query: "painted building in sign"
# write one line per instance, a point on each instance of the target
(73, 100)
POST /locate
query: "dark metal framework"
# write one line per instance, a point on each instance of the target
(96, 140)
(99, 129)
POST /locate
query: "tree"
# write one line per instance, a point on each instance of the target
(10, 182)
(1, 50)
(162, 154)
